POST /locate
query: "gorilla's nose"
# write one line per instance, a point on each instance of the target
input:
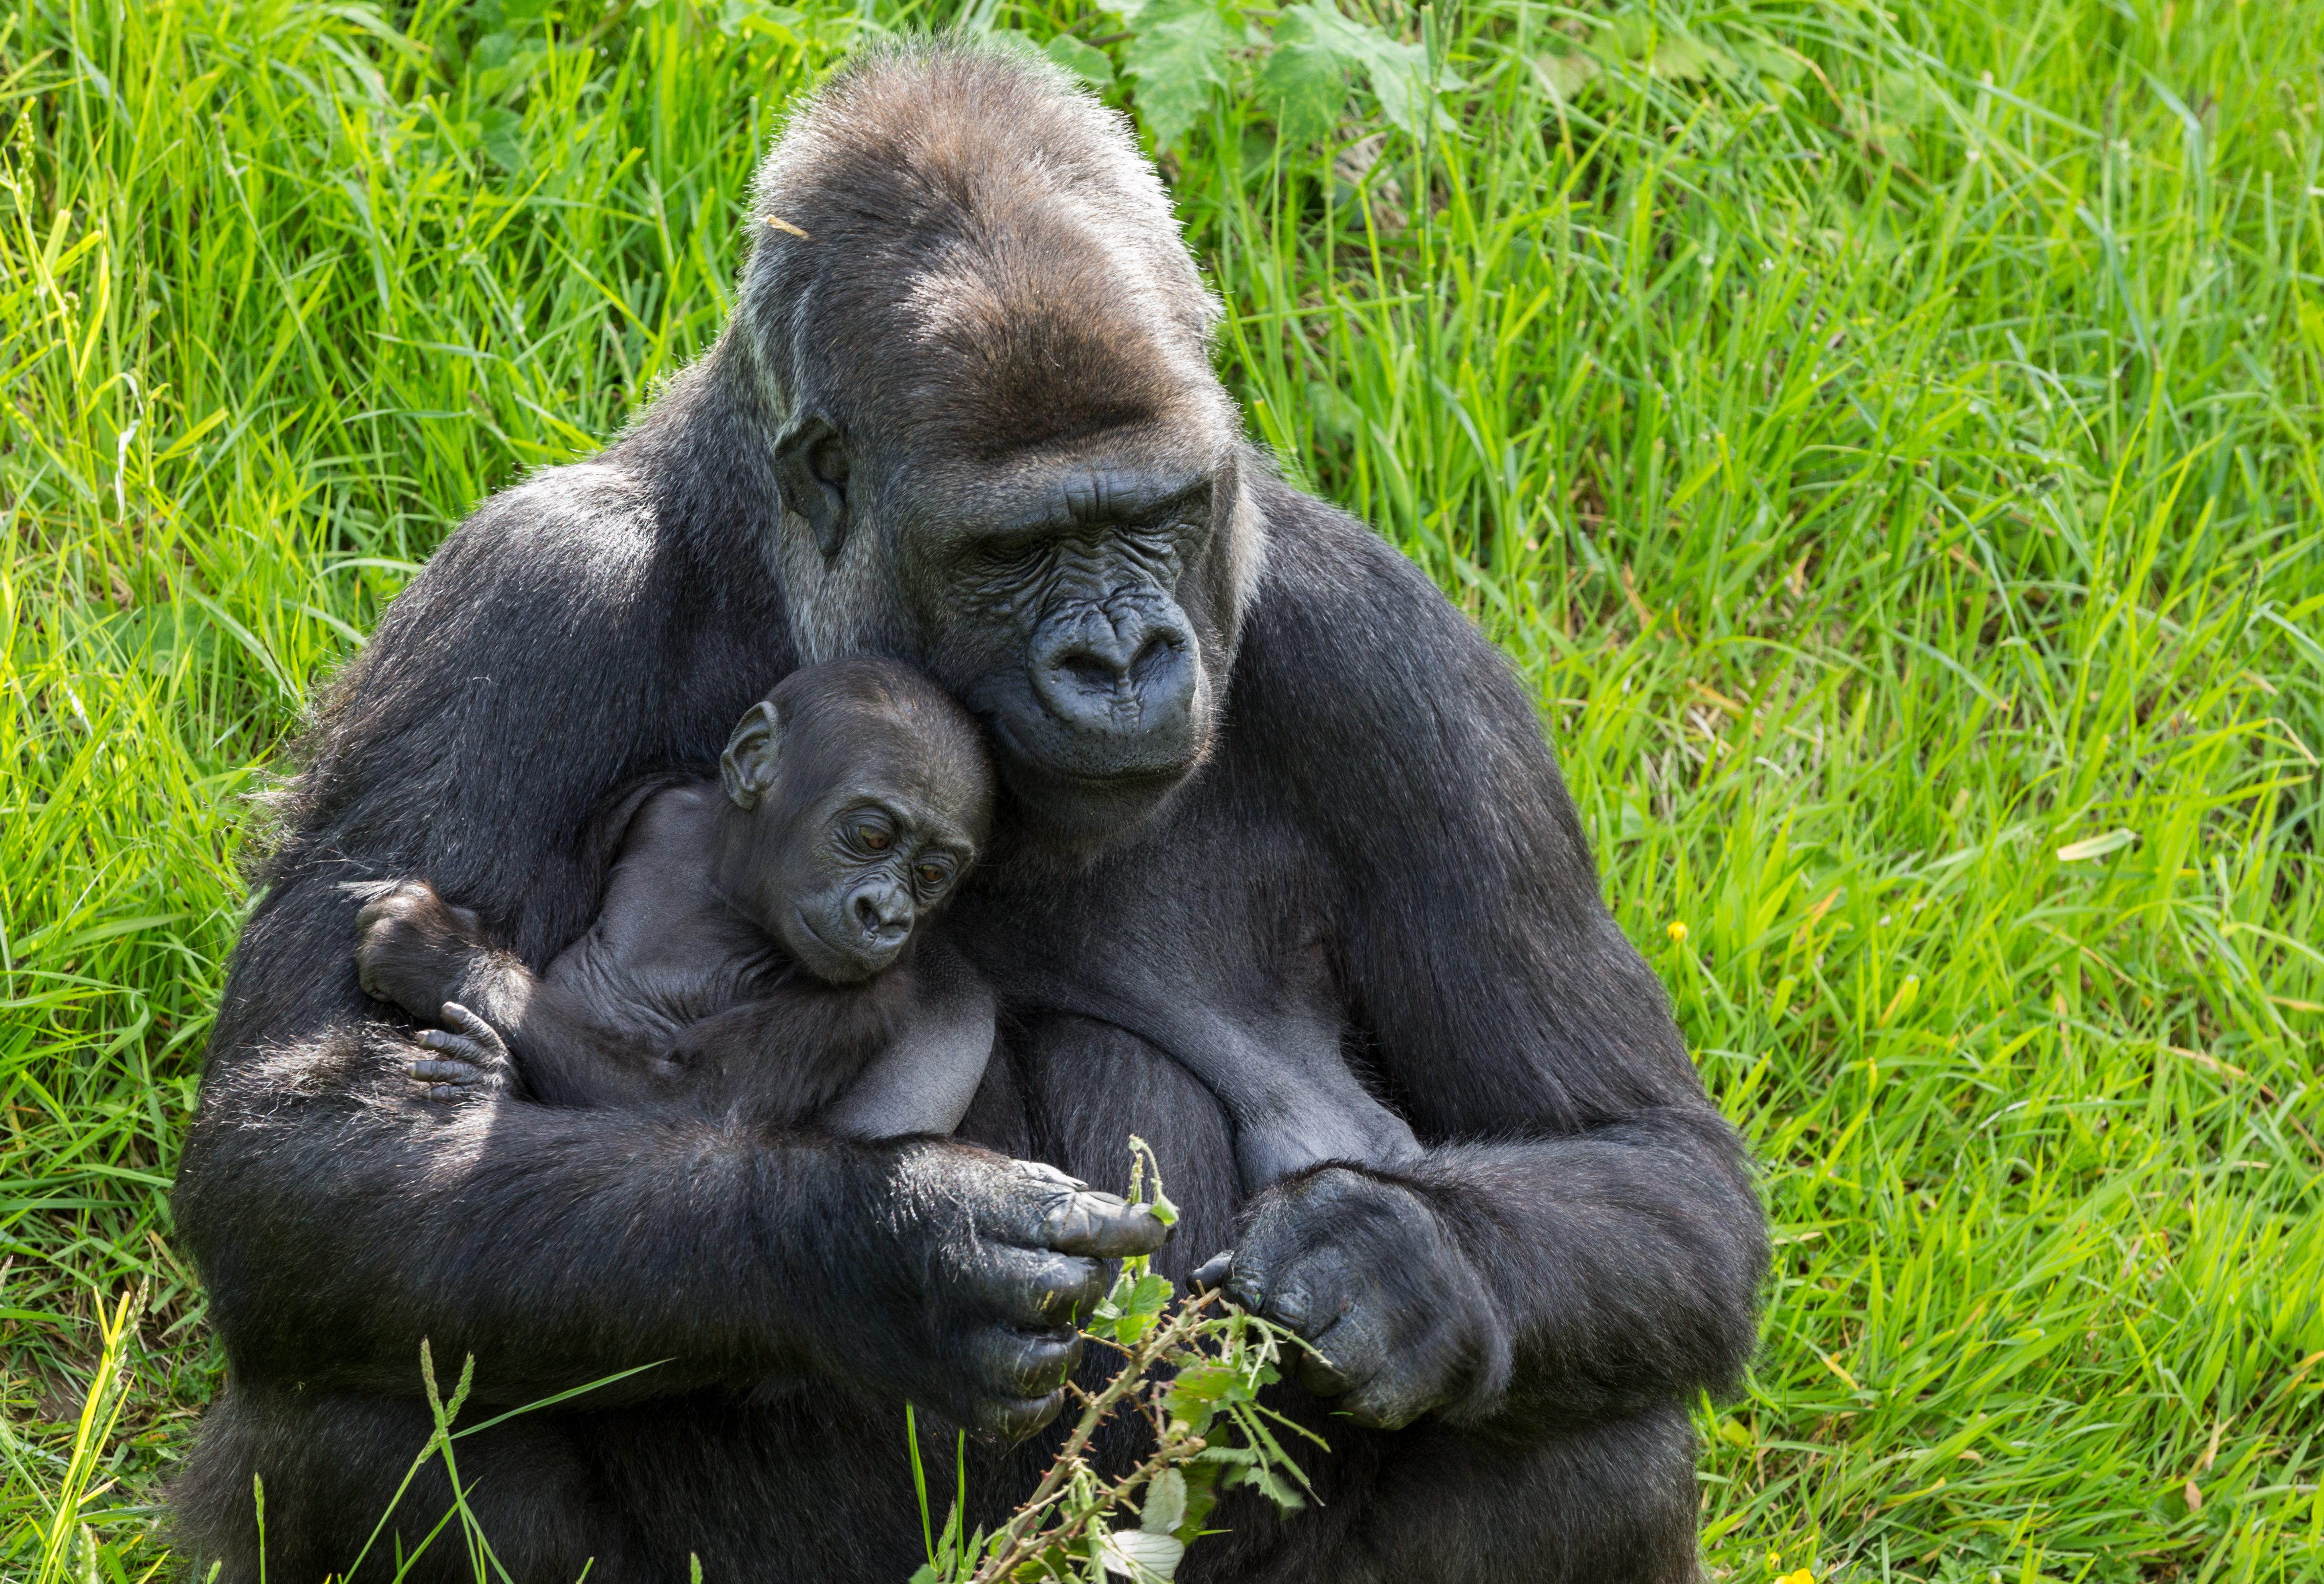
(882, 911)
(1120, 670)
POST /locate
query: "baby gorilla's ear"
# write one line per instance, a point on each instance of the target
(748, 765)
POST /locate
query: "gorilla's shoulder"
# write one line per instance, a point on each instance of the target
(582, 527)
(554, 583)
(1347, 628)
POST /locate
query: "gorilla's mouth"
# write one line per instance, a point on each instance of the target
(1081, 806)
(838, 964)
(1114, 762)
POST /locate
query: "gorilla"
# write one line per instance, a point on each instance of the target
(1269, 807)
(765, 947)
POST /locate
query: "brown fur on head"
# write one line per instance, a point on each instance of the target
(1002, 226)
(983, 351)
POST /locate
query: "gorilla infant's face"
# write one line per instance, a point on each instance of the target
(853, 880)
(855, 809)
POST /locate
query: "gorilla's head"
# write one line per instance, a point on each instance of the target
(980, 345)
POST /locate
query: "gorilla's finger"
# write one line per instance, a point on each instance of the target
(1318, 1374)
(459, 1048)
(1212, 1273)
(1343, 1354)
(1392, 1399)
(1035, 1287)
(441, 1069)
(1103, 1225)
(1027, 1364)
(459, 1017)
(1043, 1175)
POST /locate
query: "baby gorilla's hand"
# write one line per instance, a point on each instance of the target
(470, 1058)
(415, 949)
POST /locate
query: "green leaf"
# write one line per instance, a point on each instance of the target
(502, 139)
(1179, 58)
(1200, 1485)
(1335, 414)
(1681, 57)
(1149, 1295)
(1305, 82)
(742, 18)
(1564, 75)
(1399, 74)
(1201, 1384)
(1165, 1504)
(1086, 61)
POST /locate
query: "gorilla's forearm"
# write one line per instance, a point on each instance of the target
(339, 1217)
(1621, 1264)
(340, 1224)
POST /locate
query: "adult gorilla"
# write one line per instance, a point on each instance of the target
(1272, 801)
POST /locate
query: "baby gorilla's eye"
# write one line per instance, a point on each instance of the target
(934, 874)
(873, 837)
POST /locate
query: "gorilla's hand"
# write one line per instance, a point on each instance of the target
(1006, 1257)
(415, 949)
(1368, 1275)
(469, 1058)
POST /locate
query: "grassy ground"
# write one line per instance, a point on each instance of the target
(1892, 444)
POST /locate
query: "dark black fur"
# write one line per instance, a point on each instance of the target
(1272, 801)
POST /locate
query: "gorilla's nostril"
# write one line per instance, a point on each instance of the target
(1090, 673)
(867, 915)
(1157, 651)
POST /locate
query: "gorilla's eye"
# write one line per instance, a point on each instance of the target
(1014, 555)
(934, 874)
(873, 837)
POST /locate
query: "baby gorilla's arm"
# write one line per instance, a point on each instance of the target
(923, 1080)
(430, 958)
(901, 1054)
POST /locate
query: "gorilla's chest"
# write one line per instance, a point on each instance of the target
(1185, 937)
(1207, 944)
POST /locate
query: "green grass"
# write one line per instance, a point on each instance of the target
(1892, 444)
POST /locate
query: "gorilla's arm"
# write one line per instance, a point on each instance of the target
(1583, 1236)
(417, 952)
(555, 650)
(923, 1080)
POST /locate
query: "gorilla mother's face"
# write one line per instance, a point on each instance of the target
(1080, 605)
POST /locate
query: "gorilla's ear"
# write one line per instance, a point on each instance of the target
(747, 767)
(811, 467)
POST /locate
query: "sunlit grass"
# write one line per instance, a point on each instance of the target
(1893, 446)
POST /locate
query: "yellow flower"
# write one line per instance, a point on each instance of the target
(1803, 1577)
(1677, 931)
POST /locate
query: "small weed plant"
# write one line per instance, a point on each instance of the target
(1193, 1372)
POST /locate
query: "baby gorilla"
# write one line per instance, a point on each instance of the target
(761, 951)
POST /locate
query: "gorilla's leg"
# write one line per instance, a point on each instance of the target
(330, 1465)
(1613, 1503)
(793, 1483)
